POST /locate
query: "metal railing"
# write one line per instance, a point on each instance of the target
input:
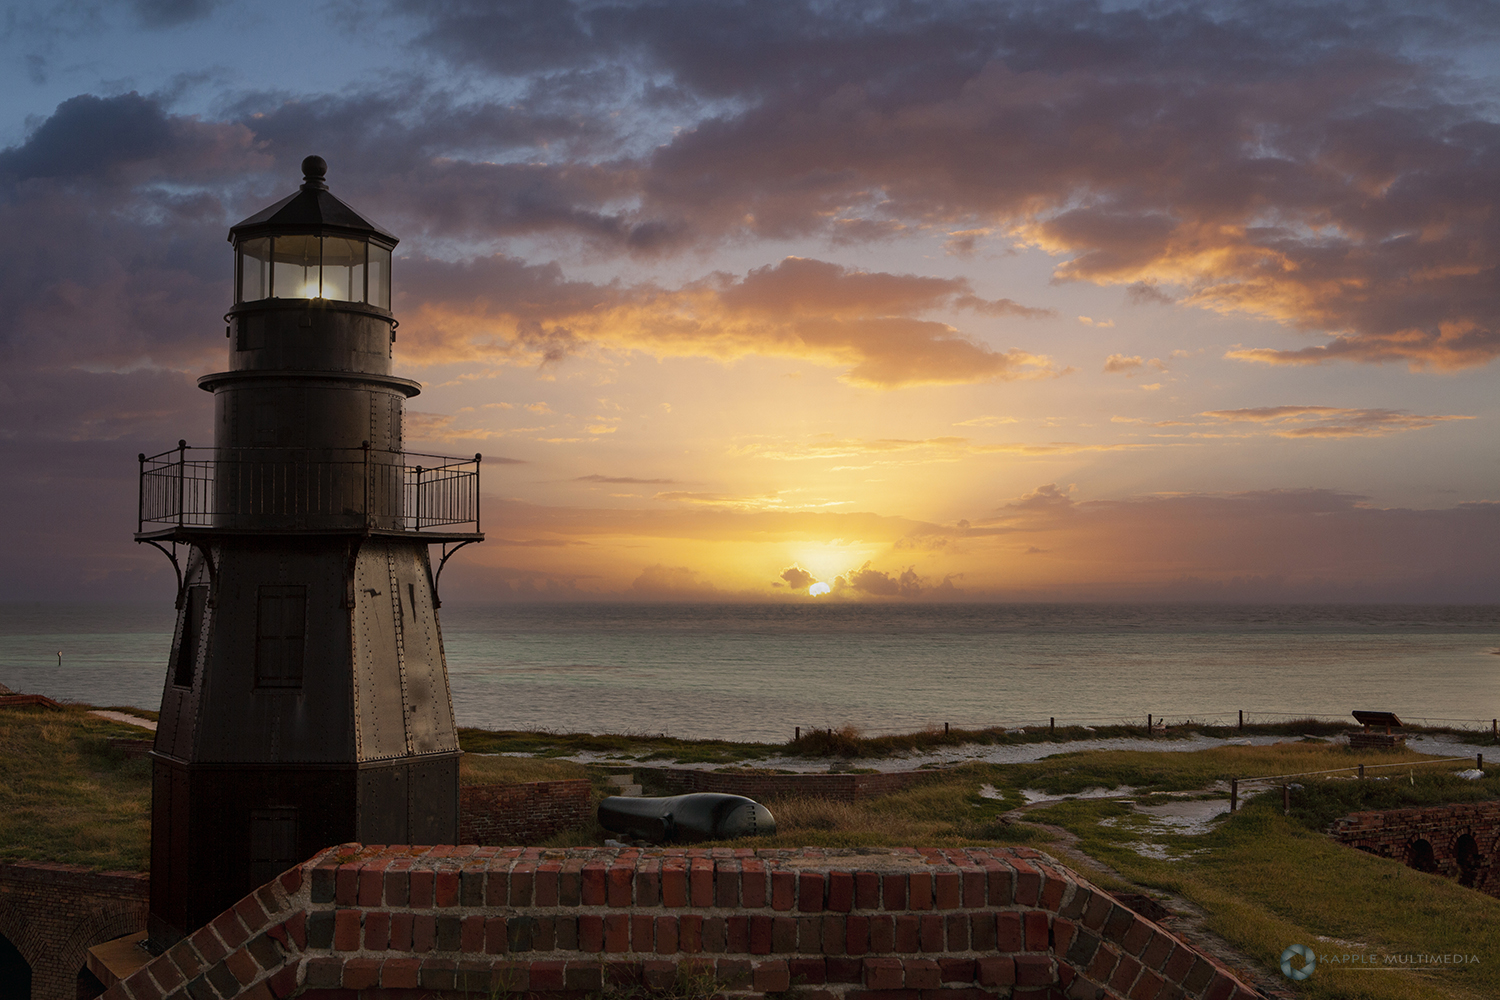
(307, 488)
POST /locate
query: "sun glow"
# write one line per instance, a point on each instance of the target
(818, 590)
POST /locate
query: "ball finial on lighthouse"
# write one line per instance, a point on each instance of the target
(314, 169)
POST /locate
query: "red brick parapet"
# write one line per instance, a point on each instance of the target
(899, 924)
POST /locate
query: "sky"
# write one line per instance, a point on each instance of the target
(790, 300)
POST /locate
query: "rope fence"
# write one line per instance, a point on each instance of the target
(1234, 719)
(1286, 791)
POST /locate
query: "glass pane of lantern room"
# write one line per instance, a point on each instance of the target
(343, 269)
(380, 276)
(295, 267)
(255, 269)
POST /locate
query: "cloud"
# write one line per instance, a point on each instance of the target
(798, 578)
(910, 450)
(1262, 545)
(171, 13)
(907, 583)
(673, 582)
(986, 421)
(1120, 364)
(1300, 163)
(1332, 421)
(868, 323)
(623, 480)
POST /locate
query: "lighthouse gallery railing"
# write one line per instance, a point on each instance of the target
(293, 488)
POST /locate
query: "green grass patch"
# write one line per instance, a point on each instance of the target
(627, 748)
(1147, 771)
(1321, 801)
(476, 770)
(947, 811)
(1268, 881)
(66, 795)
(849, 743)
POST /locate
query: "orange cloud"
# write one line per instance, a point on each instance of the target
(1332, 421)
(798, 578)
(912, 451)
(868, 323)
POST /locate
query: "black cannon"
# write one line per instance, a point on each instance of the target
(686, 818)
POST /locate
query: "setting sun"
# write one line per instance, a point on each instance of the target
(818, 590)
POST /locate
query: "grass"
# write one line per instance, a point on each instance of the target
(626, 747)
(1268, 881)
(66, 795)
(1265, 880)
(849, 743)
(1146, 771)
(478, 770)
(947, 812)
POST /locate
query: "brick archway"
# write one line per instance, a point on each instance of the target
(53, 913)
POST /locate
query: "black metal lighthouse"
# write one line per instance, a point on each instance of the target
(306, 702)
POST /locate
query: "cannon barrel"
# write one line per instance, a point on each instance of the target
(686, 818)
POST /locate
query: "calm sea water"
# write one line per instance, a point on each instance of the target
(757, 671)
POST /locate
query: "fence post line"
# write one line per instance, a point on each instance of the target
(1242, 718)
(1495, 730)
(1479, 761)
(1286, 800)
(1361, 771)
(418, 523)
(799, 734)
(1052, 726)
(1234, 794)
(1149, 724)
(181, 472)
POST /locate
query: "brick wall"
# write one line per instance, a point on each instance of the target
(845, 787)
(518, 814)
(55, 913)
(1397, 833)
(399, 923)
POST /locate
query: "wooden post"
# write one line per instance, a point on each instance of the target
(1148, 725)
(1286, 800)
(1361, 771)
(1495, 730)
(1242, 718)
(799, 734)
(945, 729)
(1052, 726)
(1479, 761)
(1234, 794)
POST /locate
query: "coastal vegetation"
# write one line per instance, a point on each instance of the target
(67, 794)
(1258, 878)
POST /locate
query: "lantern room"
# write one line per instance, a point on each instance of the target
(312, 246)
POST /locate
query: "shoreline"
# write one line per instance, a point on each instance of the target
(972, 753)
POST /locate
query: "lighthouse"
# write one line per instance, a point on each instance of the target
(306, 699)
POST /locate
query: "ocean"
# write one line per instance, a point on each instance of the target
(758, 671)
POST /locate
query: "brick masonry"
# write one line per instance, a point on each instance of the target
(398, 923)
(1461, 840)
(55, 913)
(516, 814)
(844, 787)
